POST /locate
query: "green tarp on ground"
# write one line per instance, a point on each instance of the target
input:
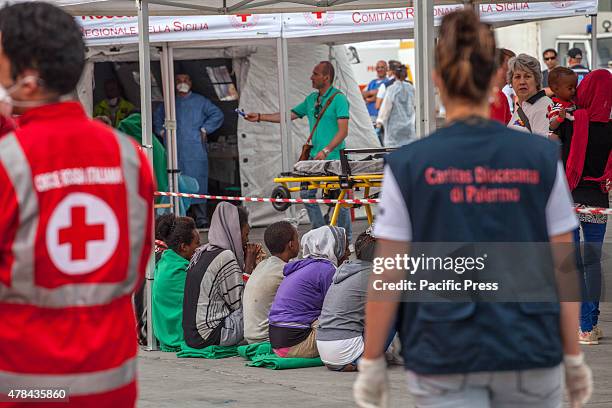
(261, 355)
(210, 352)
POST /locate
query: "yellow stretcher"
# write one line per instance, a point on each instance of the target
(336, 178)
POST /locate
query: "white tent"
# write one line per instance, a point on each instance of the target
(256, 71)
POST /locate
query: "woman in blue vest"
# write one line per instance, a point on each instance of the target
(474, 354)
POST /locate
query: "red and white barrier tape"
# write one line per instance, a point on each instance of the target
(583, 210)
(273, 200)
(594, 210)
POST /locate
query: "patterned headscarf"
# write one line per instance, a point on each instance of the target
(327, 242)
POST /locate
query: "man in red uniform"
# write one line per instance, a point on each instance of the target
(75, 225)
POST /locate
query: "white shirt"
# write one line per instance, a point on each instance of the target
(382, 89)
(536, 110)
(393, 222)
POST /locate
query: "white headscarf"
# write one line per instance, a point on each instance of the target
(327, 242)
(224, 233)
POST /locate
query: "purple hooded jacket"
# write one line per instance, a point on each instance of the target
(300, 296)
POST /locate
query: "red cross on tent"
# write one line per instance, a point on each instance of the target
(318, 14)
(79, 234)
(244, 17)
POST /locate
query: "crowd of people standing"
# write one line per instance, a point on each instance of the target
(572, 106)
(390, 100)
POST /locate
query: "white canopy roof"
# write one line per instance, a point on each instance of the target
(332, 27)
(217, 7)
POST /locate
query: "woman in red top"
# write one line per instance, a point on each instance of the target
(499, 108)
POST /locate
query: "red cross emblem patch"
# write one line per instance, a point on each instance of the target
(82, 234)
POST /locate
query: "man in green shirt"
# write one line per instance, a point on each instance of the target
(328, 138)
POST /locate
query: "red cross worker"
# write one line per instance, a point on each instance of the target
(76, 203)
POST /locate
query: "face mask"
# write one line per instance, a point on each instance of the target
(5, 94)
(183, 87)
(113, 101)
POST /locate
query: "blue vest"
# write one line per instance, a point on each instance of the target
(453, 337)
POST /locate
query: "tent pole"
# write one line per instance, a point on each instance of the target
(170, 124)
(287, 151)
(172, 133)
(144, 58)
(424, 46)
(594, 50)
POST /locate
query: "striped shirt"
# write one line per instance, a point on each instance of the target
(213, 290)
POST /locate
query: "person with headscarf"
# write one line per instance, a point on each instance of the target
(212, 305)
(168, 286)
(586, 149)
(297, 305)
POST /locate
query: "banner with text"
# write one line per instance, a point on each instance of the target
(108, 30)
(320, 23)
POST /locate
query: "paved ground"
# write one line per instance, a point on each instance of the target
(166, 381)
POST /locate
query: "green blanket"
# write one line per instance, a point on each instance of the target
(167, 306)
(253, 350)
(168, 349)
(274, 362)
(210, 352)
(261, 355)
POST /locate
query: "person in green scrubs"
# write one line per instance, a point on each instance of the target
(169, 283)
(132, 126)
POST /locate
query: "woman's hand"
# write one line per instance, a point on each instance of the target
(578, 380)
(250, 257)
(371, 388)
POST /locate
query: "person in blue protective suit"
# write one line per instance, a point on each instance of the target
(196, 117)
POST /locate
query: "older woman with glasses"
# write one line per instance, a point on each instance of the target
(525, 76)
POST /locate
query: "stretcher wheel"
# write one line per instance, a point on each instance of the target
(281, 192)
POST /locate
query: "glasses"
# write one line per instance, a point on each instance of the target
(549, 58)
